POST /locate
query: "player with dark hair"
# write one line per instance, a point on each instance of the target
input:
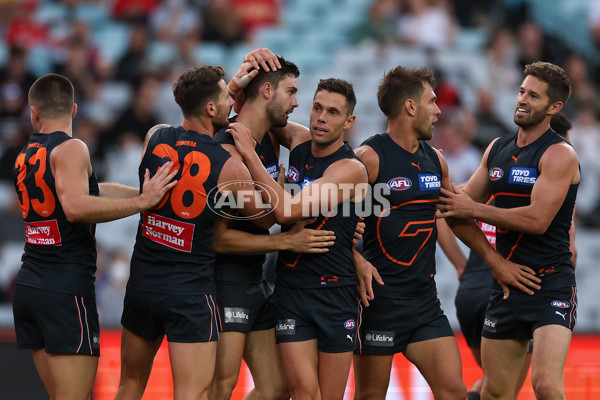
(54, 304)
(533, 176)
(405, 314)
(171, 286)
(243, 294)
(316, 297)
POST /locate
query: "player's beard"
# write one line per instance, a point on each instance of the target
(534, 118)
(276, 113)
(221, 119)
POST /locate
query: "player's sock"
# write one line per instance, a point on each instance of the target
(473, 396)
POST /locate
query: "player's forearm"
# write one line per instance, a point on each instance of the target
(232, 241)
(94, 209)
(469, 233)
(519, 219)
(118, 191)
(284, 208)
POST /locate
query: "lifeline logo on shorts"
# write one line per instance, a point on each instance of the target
(285, 327)
(522, 176)
(379, 338)
(489, 324)
(236, 315)
(95, 340)
(429, 182)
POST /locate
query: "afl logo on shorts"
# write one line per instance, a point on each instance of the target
(350, 324)
(495, 174)
(560, 304)
(293, 174)
(399, 183)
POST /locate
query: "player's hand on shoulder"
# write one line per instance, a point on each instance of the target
(154, 189)
(455, 203)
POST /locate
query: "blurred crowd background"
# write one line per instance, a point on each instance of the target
(123, 56)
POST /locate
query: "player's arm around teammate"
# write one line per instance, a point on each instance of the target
(59, 167)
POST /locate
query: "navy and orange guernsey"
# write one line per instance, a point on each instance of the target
(400, 237)
(336, 267)
(174, 243)
(59, 255)
(477, 274)
(238, 267)
(513, 171)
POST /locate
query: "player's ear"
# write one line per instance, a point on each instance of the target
(349, 121)
(267, 90)
(210, 108)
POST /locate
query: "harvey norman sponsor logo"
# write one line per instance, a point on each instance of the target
(43, 233)
(169, 232)
(379, 338)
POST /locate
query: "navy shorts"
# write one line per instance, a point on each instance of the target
(245, 307)
(389, 324)
(60, 323)
(519, 315)
(471, 305)
(183, 318)
(330, 315)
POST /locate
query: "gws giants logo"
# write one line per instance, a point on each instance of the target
(399, 183)
(560, 304)
(350, 324)
(293, 174)
(495, 174)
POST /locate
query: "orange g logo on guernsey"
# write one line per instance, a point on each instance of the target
(234, 196)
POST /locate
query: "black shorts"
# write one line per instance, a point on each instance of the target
(390, 324)
(471, 305)
(330, 315)
(60, 323)
(245, 307)
(183, 318)
(519, 315)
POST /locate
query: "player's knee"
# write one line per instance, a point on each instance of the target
(547, 388)
(221, 389)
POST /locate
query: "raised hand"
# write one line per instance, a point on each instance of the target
(264, 58)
